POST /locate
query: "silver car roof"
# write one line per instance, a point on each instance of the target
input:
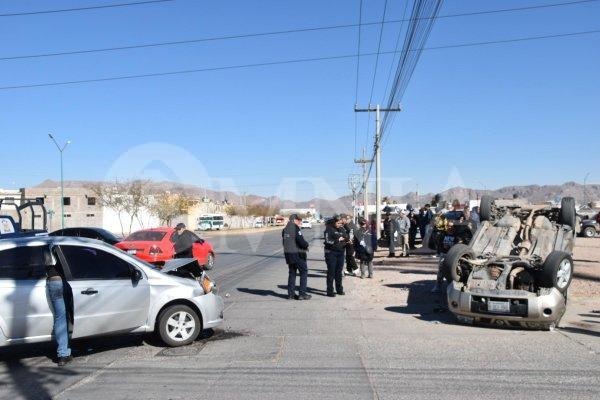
(47, 240)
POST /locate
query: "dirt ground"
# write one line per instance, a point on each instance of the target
(409, 280)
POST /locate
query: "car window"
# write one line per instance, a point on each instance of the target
(146, 236)
(90, 263)
(23, 263)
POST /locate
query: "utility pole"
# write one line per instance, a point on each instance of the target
(377, 157)
(353, 184)
(364, 163)
(584, 189)
(61, 150)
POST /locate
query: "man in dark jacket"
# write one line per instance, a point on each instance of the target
(183, 242)
(294, 249)
(351, 229)
(335, 245)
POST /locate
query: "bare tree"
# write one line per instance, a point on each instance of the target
(126, 199)
(167, 206)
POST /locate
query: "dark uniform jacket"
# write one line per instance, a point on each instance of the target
(363, 244)
(294, 244)
(332, 238)
(183, 244)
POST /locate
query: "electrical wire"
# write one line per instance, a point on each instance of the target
(271, 33)
(293, 61)
(357, 76)
(134, 3)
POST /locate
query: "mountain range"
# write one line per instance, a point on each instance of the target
(534, 193)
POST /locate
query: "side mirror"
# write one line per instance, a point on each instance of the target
(136, 275)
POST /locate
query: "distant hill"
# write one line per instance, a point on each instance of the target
(534, 193)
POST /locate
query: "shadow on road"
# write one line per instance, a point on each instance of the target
(586, 277)
(263, 292)
(310, 290)
(580, 331)
(429, 307)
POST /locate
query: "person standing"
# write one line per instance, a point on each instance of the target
(403, 233)
(412, 231)
(350, 228)
(335, 244)
(425, 216)
(363, 243)
(183, 242)
(56, 294)
(390, 226)
(294, 250)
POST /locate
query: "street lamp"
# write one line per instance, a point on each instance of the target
(62, 187)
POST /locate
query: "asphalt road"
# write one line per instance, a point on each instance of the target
(273, 348)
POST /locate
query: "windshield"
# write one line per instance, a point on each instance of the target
(146, 236)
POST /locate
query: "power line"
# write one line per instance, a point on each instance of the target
(375, 69)
(134, 3)
(293, 61)
(357, 74)
(271, 33)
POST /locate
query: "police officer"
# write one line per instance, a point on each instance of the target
(335, 244)
(294, 249)
(351, 229)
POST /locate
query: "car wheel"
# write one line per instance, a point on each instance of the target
(179, 325)
(454, 267)
(210, 262)
(590, 231)
(485, 208)
(567, 215)
(557, 271)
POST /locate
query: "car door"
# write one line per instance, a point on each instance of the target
(200, 249)
(24, 307)
(105, 297)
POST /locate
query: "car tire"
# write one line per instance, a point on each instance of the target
(589, 232)
(485, 208)
(567, 215)
(210, 262)
(179, 325)
(557, 271)
(452, 268)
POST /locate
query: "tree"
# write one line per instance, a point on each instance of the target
(126, 199)
(167, 206)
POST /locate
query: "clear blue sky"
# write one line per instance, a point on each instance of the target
(504, 114)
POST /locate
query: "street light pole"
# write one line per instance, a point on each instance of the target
(62, 185)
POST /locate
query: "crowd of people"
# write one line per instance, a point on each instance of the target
(344, 241)
(354, 245)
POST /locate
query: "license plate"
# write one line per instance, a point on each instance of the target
(132, 251)
(499, 306)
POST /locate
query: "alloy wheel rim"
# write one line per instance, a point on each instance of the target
(563, 275)
(180, 326)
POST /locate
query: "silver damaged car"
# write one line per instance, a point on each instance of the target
(111, 292)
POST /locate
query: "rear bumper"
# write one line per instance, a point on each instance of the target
(527, 310)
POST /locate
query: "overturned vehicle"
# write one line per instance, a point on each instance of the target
(517, 268)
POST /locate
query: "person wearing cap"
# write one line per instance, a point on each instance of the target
(363, 243)
(335, 245)
(183, 242)
(294, 250)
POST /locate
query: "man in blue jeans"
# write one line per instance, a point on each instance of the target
(55, 289)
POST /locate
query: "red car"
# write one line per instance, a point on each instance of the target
(155, 246)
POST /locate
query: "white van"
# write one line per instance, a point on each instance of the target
(210, 222)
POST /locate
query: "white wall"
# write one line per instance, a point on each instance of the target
(110, 221)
